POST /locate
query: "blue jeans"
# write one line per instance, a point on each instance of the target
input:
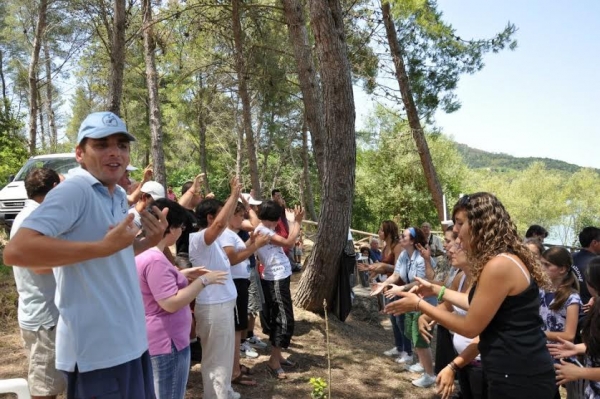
(402, 343)
(171, 373)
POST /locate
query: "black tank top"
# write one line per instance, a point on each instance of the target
(513, 342)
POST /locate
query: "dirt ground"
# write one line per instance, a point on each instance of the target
(358, 369)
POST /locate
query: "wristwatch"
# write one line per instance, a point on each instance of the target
(204, 281)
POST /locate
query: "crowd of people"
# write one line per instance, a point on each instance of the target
(106, 309)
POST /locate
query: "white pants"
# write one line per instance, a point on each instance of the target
(216, 329)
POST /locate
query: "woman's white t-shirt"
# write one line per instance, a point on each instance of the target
(229, 238)
(215, 259)
(276, 263)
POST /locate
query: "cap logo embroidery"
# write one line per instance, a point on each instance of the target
(110, 120)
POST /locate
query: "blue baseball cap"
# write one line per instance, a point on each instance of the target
(98, 125)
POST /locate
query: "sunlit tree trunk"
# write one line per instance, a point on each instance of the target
(117, 57)
(33, 76)
(244, 96)
(309, 199)
(319, 280)
(414, 122)
(307, 77)
(52, 131)
(156, 134)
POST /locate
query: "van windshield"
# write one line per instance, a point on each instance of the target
(60, 165)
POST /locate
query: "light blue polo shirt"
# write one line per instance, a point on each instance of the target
(102, 322)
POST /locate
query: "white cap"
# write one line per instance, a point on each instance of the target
(153, 188)
(251, 200)
(131, 168)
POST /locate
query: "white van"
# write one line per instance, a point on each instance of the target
(13, 196)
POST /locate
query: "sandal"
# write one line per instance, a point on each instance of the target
(244, 380)
(277, 373)
(246, 370)
(288, 363)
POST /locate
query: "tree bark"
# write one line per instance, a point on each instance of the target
(41, 117)
(32, 74)
(318, 281)
(52, 131)
(201, 120)
(307, 77)
(414, 122)
(244, 96)
(117, 58)
(309, 199)
(3, 80)
(156, 134)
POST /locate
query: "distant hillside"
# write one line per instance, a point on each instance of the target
(477, 159)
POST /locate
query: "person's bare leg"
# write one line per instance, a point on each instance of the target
(275, 359)
(426, 359)
(236, 356)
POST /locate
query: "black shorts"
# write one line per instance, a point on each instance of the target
(241, 304)
(279, 311)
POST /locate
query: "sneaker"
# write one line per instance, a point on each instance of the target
(233, 394)
(425, 381)
(256, 342)
(392, 352)
(247, 351)
(404, 358)
(416, 368)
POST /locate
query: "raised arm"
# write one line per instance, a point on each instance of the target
(135, 195)
(186, 198)
(220, 223)
(294, 230)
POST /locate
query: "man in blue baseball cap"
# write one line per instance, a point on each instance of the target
(83, 231)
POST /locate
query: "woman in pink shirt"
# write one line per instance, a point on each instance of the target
(167, 293)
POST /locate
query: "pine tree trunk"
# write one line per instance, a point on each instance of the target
(411, 111)
(41, 117)
(307, 76)
(117, 58)
(52, 131)
(3, 80)
(244, 96)
(32, 74)
(309, 199)
(156, 134)
(319, 280)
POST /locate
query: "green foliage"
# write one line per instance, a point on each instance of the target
(499, 162)
(319, 387)
(390, 183)
(13, 146)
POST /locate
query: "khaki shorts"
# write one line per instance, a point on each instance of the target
(43, 378)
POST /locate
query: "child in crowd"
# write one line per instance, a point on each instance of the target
(276, 282)
(568, 370)
(560, 305)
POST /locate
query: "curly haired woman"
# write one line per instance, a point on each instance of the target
(503, 304)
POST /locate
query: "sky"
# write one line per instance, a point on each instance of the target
(538, 100)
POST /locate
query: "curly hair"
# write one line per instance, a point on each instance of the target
(493, 233)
